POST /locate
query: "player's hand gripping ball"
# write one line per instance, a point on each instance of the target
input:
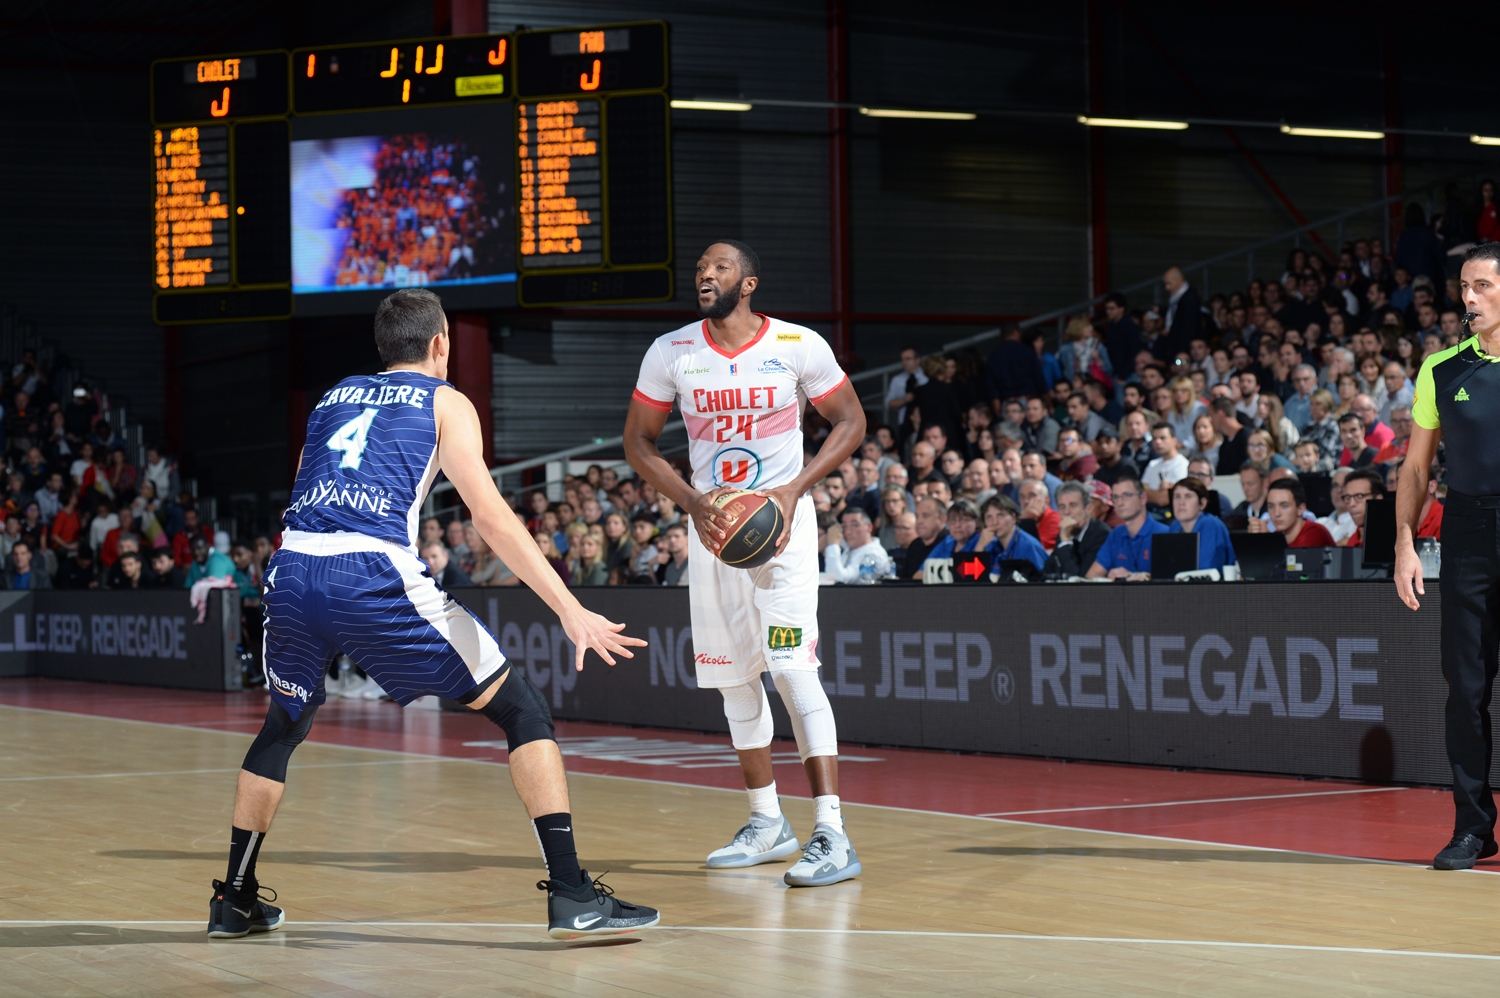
(755, 522)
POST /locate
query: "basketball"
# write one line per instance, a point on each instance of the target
(755, 522)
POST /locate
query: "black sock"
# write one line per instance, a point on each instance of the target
(244, 848)
(555, 833)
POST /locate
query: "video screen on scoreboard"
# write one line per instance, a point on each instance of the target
(410, 198)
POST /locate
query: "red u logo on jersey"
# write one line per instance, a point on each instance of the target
(736, 466)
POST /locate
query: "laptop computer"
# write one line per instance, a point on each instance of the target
(1261, 556)
(1173, 553)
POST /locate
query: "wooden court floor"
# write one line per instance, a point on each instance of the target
(412, 875)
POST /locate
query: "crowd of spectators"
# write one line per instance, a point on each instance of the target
(421, 221)
(1071, 459)
(606, 530)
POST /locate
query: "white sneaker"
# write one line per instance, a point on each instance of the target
(756, 843)
(828, 859)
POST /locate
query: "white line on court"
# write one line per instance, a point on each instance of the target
(186, 772)
(791, 930)
(732, 790)
(1180, 803)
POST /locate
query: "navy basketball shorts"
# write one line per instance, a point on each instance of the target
(373, 601)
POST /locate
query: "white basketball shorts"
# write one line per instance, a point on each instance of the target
(750, 620)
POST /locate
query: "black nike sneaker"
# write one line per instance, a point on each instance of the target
(591, 910)
(1463, 852)
(231, 915)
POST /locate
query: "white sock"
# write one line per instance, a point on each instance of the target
(764, 802)
(826, 812)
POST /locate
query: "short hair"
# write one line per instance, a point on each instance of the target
(676, 526)
(1164, 425)
(834, 474)
(1194, 486)
(1309, 442)
(1223, 406)
(1128, 475)
(1004, 504)
(643, 517)
(1292, 485)
(405, 323)
(1259, 469)
(1350, 417)
(749, 259)
(165, 552)
(964, 507)
(1079, 487)
(1485, 251)
(1375, 478)
(858, 511)
(1117, 298)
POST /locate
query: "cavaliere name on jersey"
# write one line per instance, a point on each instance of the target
(743, 410)
(371, 456)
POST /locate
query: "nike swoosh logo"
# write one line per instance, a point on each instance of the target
(246, 914)
(568, 829)
(581, 923)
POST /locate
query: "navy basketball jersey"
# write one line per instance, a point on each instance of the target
(370, 457)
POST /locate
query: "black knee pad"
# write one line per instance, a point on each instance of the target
(272, 748)
(521, 711)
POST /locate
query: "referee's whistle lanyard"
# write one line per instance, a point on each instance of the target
(1481, 360)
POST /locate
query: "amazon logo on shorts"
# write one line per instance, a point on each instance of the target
(783, 637)
(282, 686)
(736, 466)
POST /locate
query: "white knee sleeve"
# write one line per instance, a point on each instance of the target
(749, 714)
(812, 714)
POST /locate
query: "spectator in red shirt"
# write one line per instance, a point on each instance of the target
(65, 525)
(109, 551)
(1359, 488)
(1034, 507)
(1432, 511)
(1401, 424)
(1078, 464)
(1286, 502)
(182, 544)
(1377, 434)
(1358, 452)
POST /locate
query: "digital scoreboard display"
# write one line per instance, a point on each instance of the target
(502, 169)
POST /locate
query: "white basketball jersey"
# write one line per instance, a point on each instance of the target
(743, 409)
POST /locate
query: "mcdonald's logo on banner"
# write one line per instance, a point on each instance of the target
(784, 637)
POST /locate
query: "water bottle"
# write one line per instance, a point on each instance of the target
(867, 574)
(1430, 552)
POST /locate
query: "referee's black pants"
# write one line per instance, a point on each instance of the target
(1470, 579)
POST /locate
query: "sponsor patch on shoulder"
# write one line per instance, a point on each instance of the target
(788, 337)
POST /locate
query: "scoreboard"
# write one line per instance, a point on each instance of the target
(528, 168)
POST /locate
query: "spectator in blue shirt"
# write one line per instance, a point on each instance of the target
(1126, 553)
(1190, 498)
(1003, 540)
(963, 530)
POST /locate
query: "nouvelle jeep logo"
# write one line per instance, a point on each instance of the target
(784, 637)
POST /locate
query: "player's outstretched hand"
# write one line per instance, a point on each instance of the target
(587, 629)
(712, 524)
(1409, 576)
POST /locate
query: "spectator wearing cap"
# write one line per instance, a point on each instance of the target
(1167, 468)
(1190, 500)
(1078, 463)
(1102, 504)
(1286, 505)
(1001, 538)
(932, 530)
(963, 530)
(1126, 552)
(1110, 462)
(1037, 514)
(1358, 452)
(853, 545)
(1359, 488)
(1079, 535)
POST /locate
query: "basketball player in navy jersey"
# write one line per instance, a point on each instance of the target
(347, 578)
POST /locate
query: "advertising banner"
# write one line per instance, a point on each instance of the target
(1326, 679)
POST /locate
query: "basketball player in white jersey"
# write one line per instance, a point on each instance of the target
(741, 380)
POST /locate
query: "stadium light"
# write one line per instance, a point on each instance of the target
(1331, 133)
(1168, 126)
(710, 105)
(891, 112)
(1484, 140)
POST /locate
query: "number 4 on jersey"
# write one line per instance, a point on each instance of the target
(352, 438)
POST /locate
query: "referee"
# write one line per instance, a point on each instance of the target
(1458, 401)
